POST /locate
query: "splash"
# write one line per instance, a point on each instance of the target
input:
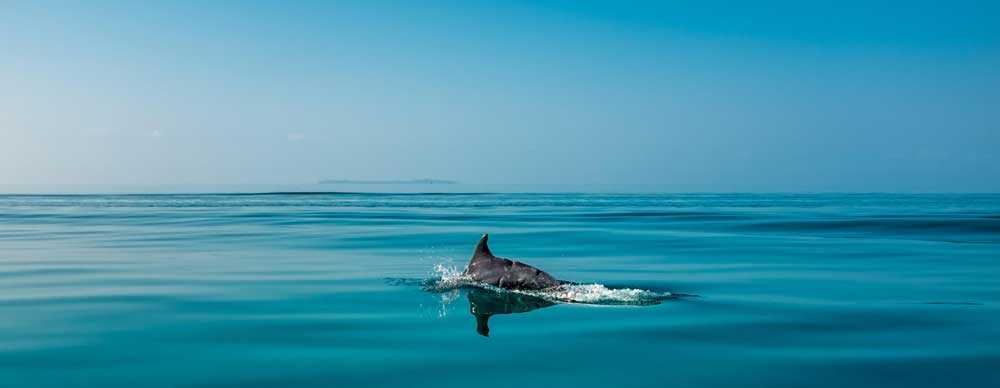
(447, 278)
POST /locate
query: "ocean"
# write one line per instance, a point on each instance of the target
(364, 289)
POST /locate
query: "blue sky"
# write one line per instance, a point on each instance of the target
(704, 96)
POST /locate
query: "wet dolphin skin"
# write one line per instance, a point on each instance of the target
(506, 273)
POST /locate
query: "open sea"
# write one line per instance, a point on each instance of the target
(352, 289)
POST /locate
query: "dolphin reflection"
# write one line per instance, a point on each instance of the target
(484, 304)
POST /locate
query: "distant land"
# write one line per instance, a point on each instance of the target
(388, 182)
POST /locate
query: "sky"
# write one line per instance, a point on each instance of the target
(691, 96)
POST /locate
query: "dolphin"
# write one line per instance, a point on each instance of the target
(506, 273)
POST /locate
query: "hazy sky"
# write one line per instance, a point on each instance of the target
(782, 96)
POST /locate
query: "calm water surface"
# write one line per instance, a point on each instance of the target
(330, 290)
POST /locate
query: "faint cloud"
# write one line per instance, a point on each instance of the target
(296, 136)
(98, 131)
(156, 134)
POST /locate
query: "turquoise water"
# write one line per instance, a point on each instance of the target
(328, 290)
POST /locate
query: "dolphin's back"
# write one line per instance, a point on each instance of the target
(506, 273)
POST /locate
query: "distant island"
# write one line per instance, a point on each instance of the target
(387, 182)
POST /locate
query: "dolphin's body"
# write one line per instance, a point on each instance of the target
(506, 273)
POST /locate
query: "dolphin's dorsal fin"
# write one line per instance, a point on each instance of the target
(482, 249)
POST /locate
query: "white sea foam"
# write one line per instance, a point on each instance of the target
(601, 294)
